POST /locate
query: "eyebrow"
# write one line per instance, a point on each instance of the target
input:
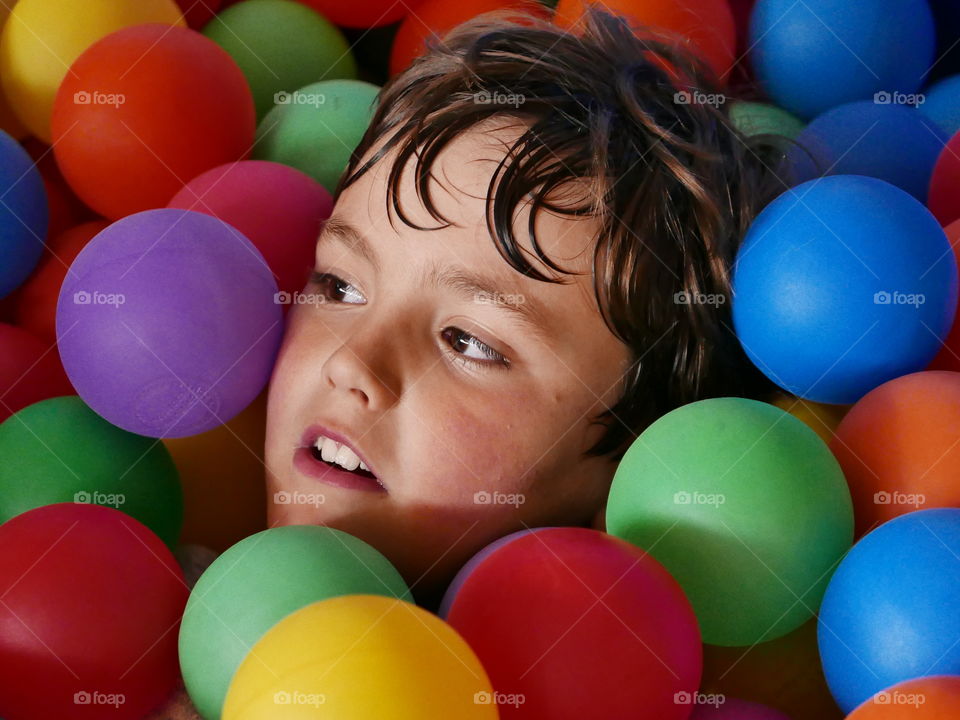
(466, 283)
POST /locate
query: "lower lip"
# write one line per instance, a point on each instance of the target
(306, 463)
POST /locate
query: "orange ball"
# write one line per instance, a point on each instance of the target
(936, 697)
(706, 25)
(898, 447)
(36, 299)
(146, 109)
(223, 477)
(949, 356)
(436, 17)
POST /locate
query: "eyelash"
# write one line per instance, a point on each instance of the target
(496, 360)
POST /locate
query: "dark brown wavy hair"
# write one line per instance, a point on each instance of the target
(674, 185)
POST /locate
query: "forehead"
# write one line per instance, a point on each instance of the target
(460, 183)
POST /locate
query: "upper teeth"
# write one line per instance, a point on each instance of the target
(332, 451)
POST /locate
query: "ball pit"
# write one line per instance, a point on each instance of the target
(23, 215)
(259, 581)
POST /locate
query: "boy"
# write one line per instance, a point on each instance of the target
(528, 262)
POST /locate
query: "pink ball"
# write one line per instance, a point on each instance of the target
(278, 208)
(733, 709)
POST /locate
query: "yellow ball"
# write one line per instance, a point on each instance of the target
(42, 38)
(819, 417)
(357, 657)
(8, 121)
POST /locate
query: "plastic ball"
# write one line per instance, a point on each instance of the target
(281, 46)
(941, 104)
(889, 612)
(706, 26)
(91, 604)
(898, 447)
(30, 371)
(315, 129)
(433, 18)
(42, 38)
(362, 14)
(935, 697)
(943, 198)
(744, 505)
(59, 450)
(222, 474)
(36, 300)
(841, 284)
(66, 209)
(167, 323)
(755, 118)
(324, 659)
(886, 141)
(822, 419)
(812, 56)
(259, 581)
(733, 709)
(528, 605)
(198, 13)
(169, 102)
(278, 208)
(8, 120)
(949, 356)
(23, 215)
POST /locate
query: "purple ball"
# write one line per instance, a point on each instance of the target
(167, 323)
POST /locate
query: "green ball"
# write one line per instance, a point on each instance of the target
(315, 129)
(280, 45)
(59, 450)
(258, 582)
(745, 505)
(753, 118)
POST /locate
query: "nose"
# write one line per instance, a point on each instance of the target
(361, 368)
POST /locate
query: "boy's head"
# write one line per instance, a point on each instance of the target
(528, 262)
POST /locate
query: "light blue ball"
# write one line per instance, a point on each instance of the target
(890, 610)
(814, 55)
(841, 284)
(942, 104)
(23, 215)
(891, 142)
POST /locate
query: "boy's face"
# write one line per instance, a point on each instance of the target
(466, 452)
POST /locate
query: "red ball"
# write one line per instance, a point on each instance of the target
(30, 371)
(435, 17)
(278, 208)
(949, 356)
(197, 13)
(359, 13)
(573, 623)
(144, 110)
(943, 199)
(91, 610)
(36, 299)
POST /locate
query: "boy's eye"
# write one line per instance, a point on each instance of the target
(332, 284)
(332, 287)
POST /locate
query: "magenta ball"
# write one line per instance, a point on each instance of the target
(278, 208)
(167, 323)
(733, 709)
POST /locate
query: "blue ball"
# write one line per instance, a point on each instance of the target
(841, 284)
(23, 215)
(891, 142)
(942, 104)
(890, 610)
(814, 55)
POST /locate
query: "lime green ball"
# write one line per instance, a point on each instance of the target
(259, 581)
(59, 450)
(314, 129)
(280, 45)
(753, 118)
(745, 505)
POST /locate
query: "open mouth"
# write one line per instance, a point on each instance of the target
(315, 452)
